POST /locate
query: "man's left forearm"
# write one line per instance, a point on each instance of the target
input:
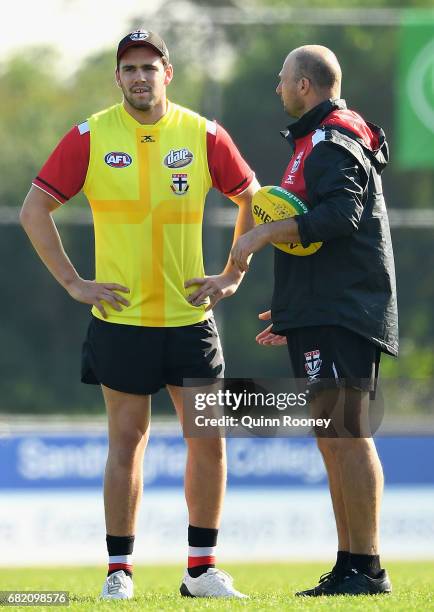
(244, 223)
(214, 288)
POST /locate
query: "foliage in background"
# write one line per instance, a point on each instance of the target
(231, 74)
(338, 4)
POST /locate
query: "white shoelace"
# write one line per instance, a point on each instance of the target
(216, 574)
(115, 584)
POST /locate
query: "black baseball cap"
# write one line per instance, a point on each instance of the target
(139, 38)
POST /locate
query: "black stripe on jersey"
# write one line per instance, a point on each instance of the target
(38, 178)
(237, 186)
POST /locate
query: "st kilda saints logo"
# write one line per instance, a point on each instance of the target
(139, 35)
(290, 179)
(179, 184)
(118, 159)
(178, 158)
(313, 364)
(297, 162)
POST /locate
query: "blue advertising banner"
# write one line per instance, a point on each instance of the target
(61, 461)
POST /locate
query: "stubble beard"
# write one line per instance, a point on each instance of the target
(140, 105)
(295, 112)
(286, 108)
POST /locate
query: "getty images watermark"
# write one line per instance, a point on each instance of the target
(271, 408)
(237, 402)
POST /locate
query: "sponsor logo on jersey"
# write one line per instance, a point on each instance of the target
(297, 162)
(147, 139)
(180, 184)
(313, 364)
(139, 35)
(289, 179)
(178, 158)
(117, 159)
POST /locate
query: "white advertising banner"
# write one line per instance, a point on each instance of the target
(267, 524)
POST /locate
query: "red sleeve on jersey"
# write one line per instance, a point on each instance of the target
(64, 172)
(230, 173)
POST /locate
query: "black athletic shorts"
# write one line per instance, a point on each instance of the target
(142, 360)
(331, 356)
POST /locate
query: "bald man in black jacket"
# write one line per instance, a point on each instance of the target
(336, 309)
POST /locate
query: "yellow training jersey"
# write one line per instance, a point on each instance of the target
(146, 185)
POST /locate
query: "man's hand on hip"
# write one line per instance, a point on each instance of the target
(213, 287)
(266, 337)
(91, 292)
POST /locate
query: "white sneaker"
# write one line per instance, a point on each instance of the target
(213, 583)
(118, 586)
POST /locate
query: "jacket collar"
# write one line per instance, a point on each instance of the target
(311, 120)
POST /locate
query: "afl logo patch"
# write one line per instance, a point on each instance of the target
(117, 159)
(178, 158)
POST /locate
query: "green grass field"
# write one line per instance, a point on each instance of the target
(271, 587)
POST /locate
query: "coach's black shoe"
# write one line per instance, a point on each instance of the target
(356, 583)
(326, 584)
(351, 583)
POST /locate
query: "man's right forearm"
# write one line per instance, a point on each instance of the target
(36, 220)
(40, 228)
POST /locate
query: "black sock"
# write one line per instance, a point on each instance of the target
(342, 561)
(120, 546)
(201, 537)
(367, 564)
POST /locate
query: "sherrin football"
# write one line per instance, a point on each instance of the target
(275, 204)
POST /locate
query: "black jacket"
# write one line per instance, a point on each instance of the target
(350, 280)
